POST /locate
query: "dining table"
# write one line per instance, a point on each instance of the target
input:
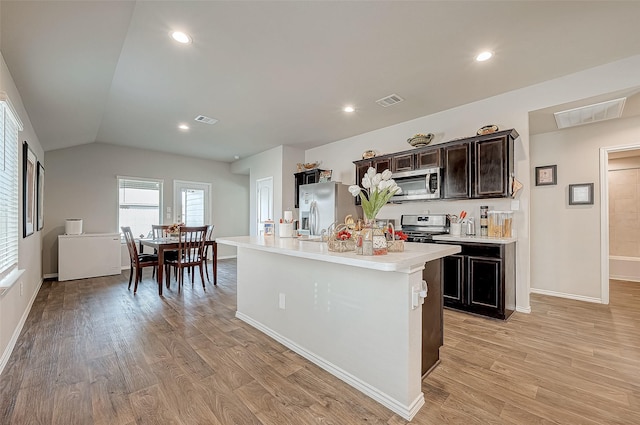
(161, 245)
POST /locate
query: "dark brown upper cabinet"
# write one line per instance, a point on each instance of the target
(474, 167)
(457, 171)
(493, 167)
(428, 159)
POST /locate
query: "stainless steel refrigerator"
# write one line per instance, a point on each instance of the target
(322, 204)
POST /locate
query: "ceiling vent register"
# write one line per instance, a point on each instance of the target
(389, 100)
(591, 113)
(206, 120)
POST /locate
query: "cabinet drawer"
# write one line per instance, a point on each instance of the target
(482, 250)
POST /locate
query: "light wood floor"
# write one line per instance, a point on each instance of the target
(92, 353)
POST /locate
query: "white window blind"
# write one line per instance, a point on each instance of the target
(9, 127)
(139, 204)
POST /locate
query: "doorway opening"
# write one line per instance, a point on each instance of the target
(192, 205)
(606, 213)
(264, 203)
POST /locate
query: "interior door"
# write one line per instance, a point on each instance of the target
(192, 204)
(264, 203)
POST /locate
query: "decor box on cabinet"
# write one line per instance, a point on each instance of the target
(481, 279)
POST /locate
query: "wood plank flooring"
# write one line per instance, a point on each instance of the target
(93, 353)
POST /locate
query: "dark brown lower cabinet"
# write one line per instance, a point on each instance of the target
(432, 336)
(481, 279)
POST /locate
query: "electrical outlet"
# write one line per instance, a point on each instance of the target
(282, 301)
(21, 288)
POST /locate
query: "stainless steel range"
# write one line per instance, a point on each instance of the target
(422, 228)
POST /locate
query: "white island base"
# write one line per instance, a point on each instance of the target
(351, 315)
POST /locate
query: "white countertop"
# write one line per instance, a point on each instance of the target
(474, 239)
(413, 255)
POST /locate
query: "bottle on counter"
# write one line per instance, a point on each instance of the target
(484, 220)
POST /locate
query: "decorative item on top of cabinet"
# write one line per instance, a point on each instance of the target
(419, 140)
(307, 166)
(487, 129)
(368, 154)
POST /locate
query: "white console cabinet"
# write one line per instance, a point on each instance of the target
(88, 255)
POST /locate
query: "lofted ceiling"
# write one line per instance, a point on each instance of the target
(275, 73)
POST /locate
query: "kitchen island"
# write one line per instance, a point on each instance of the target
(357, 317)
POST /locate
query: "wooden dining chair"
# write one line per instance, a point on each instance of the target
(190, 252)
(159, 231)
(211, 244)
(138, 261)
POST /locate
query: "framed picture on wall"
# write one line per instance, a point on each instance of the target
(40, 196)
(29, 161)
(581, 194)
(546, 175)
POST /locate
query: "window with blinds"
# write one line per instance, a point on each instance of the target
(9, 126)
(139, 204)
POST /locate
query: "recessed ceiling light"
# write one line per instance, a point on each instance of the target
(183, 127)
(181, 37)
(486, 55)
(348, 108)
(236, 157)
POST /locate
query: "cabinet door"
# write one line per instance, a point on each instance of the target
(428, 159)
(311, 176)
(485, 283)
(453, 278)
(491, 168)
(457, 174)
(361, 170)
(299, 179)
(402, 163)
(382, 164)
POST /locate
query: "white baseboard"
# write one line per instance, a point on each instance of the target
(624, 268)
(625, 278)
(16, 333)
(523, 309)
(405, 411)
(564, 295)
(226, 257)
(50, 276)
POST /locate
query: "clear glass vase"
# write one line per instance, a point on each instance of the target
(374, 241)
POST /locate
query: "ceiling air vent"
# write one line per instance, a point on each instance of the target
(591, 113)
(206, 120)
(389, 100)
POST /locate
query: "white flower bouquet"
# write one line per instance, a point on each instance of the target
(377, 189)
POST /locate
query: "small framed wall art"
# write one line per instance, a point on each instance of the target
(581, 194)
(28, 190)
(40, 196)
(546, 175)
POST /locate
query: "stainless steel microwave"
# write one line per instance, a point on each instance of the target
(418, 184)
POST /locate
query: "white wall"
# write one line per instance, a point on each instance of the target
(509, 110)
(566, 238)
(81, 183)
(15, 304)
(279, 163)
